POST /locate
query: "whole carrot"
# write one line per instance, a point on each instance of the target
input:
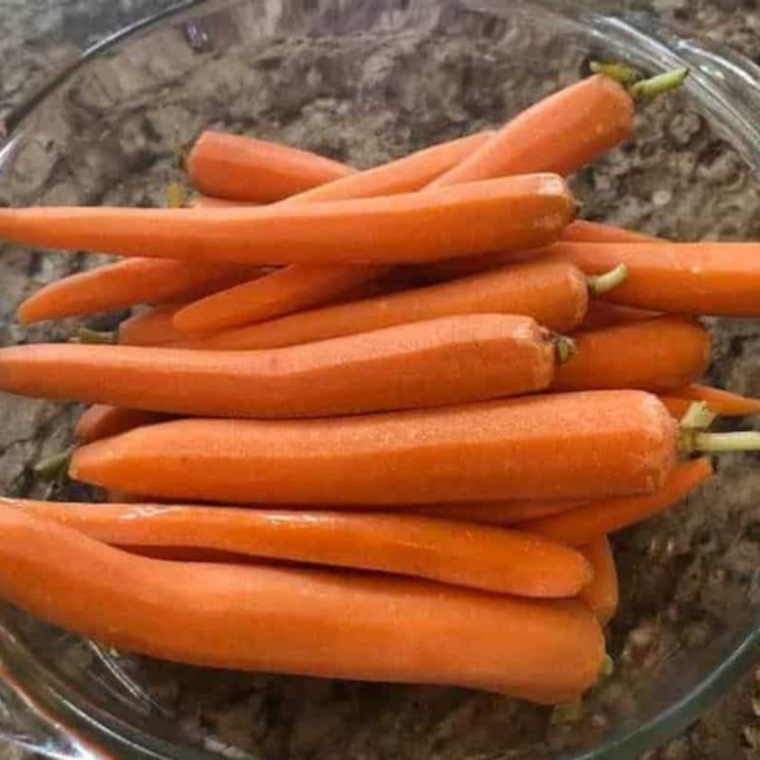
(719, 279)
(602, 595)
(720, 402)
(240, 168)
(103, 421)
(491, 559)
(446, 361)
(573, 446)
(658, 355)
(288, 620)
(597, 518)
(554, 295)
(582, 231)
(517, 212)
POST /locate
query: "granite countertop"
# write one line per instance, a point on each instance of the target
(36, 36)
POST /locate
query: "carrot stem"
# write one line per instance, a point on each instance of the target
(620, 72)
(602, 283)
(95, 337)
(54, 466)
(564, 348)
(690, 441)
(698, 417)
(657, 85)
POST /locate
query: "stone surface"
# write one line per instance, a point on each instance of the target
(109, 141)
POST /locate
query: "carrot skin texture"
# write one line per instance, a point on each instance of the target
(715, 279)
(657, 355)
(103, 421)
(721, 402)
(582, 231)
(154, 327)
(602, 595)
(596, 114)
(239, 168)
(602, 314)
(572, 446)
(423, 364)
(554, 295)
(515, 212)
(501, 513)
(583, 524)
(309, 622)
(491, 559)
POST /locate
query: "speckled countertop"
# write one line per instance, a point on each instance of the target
(36, 36)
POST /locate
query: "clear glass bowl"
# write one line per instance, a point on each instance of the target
(366, 81)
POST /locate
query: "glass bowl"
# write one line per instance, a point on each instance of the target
(365, 81)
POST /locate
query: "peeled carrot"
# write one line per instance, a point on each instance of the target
(597, 518)
(239, 168)
(556, 296)
(491, 559)
(602, 314)
(582, 231)
(298, 287)
(559, 134)
(451, 360)
(720, 402)
(293, 620)
(719, 279)
(154, 327)
(602, 595)
(103, 421)
(573, 446)
(118, 286)
(516, 212)
(658, 355)
(502, 513)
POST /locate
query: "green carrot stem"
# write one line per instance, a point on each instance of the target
(698, 417)
(564, 348)
(53, 467)
(617, 71)
(603, 283)
(693, 441)
(657, 85)
(95, 337)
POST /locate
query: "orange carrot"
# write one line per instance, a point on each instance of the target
(559, 134)
(597, 518)
(676, 406)
(293, 620)
(719, 279)
(720, 402)
(452, 360)
(516, 212)
(103, 421)
(498, 513)
(118, 286)
(602, 595)
(492, 559)
(572, 446)
(554, 295)
(601, 314)
(239, 168)
(154, 327)
(582, 231)
(658, 355)
(298, 287)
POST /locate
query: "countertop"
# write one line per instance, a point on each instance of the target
(36, 36)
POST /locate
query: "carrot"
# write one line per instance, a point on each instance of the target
(103, 421)
(582, 231)
(658, 355)
(154, 327)
(302, 621)
(295, 288)
(676, 406)
(597, 518)
(602, 595)
(572, 446)
(602, 314)
(504, 513)
(118, 286)
(446, 361)
(718, 279)
(718, 401)
(491, 559)
(517, 212)
(554, 295)
(239, 168)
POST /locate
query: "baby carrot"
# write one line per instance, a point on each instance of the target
(103, 421)
(502, 513)
(720, 402)
(153, 327)
(302, 621)
(451, 360)
(602, 595)
(602, 314)
(658, 355)
(582, 231)
(573, 446)
(718, 279)
(556, 296)
(597, 518)
(491, 559)
(516, 212)
(239, 168)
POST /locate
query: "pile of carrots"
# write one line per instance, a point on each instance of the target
(374, 424)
